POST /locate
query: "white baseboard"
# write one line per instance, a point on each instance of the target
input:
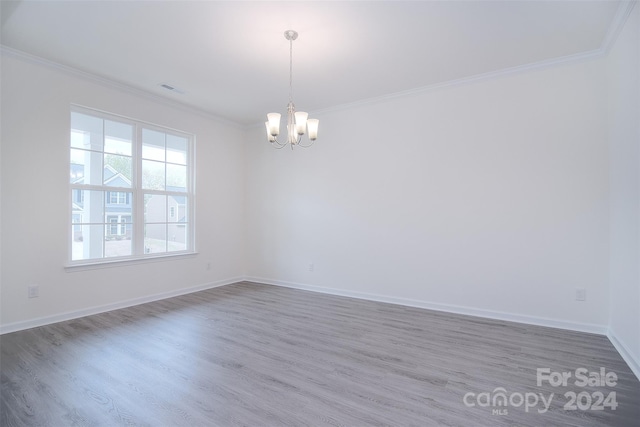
(627, 355)
(449, 308)
(47, 320)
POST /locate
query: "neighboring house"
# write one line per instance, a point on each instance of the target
(176, 215)
(117, 212)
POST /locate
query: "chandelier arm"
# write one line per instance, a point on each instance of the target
(277, 144)
(306, 145)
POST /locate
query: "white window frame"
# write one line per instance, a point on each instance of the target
(138, 250)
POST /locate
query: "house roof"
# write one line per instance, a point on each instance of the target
(111, 176)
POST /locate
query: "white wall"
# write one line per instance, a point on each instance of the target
(35, 133)
(499, 198)
(487, 198)
(623, 74)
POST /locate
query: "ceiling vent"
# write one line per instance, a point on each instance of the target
(172, 88)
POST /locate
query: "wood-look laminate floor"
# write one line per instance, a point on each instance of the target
(257, 355)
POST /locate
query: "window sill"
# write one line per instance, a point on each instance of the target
(99, 264)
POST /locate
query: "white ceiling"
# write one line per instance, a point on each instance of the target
(232, 59)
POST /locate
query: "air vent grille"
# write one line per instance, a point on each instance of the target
(170, 87)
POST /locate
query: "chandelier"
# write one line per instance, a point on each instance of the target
(297, 121)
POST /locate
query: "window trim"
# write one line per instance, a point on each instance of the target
(100, 263)
(137, 197)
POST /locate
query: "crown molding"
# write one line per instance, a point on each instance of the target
(617, 24)
(113, 84)
(476, 78)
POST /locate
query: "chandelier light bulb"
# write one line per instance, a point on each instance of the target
(301, 122)
(273, 124)
(312, 129)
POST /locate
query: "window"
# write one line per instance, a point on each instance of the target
(131, 189)
(117, 197)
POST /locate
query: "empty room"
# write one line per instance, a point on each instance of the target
(320, 213)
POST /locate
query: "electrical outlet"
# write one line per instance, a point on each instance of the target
(33, 291)
(311, 267)
(208, 266)
(581, 294)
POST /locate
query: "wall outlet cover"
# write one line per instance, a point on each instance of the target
(33, 291)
